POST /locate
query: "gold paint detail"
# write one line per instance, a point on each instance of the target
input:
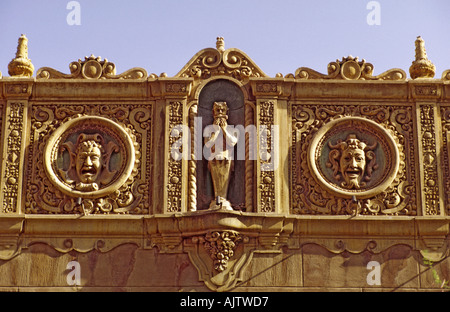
(91, 68)
(174, 170)
(60, 177)
(421, 67)
(12, 170)
(221, 143)
(350, 68)
(267, 175)
(430, 161)
(320, 187)
(21, 65)
(211, 62)
(221, 246)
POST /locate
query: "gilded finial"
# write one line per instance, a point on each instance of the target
(220, 44)
(21, 65)
(421, 67)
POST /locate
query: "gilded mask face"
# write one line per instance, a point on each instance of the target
(348, 160)
(352, 165)
(88, 161)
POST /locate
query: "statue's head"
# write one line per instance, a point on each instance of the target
(352, 161)
(220, 110)
(88, 158)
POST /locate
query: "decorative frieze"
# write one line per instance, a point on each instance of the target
(430, 161)
(174, 164)
(267, 152)
(359, 168)
(350, 68)
(445, 156)
(352, 159)
(91, 68)
(83, 159)
(13, 160)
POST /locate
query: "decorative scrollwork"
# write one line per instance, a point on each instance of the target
(61, 180)
(212, 62)
(91, 68)
(311, 197)
(267, 176)
(11, 175)
(350, 68)
(174, 174)
(428, 140)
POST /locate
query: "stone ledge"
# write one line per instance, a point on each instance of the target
(336, 233)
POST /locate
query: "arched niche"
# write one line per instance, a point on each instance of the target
(221, 90)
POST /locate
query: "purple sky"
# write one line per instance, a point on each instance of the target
(280, 36)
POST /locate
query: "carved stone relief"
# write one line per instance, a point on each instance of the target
(220, 258)
(352, 160)
(267, 177)
(349, 68)
(80, 162)
(213, 62)
(430, 164)
(13, 155)
(445, 113)
(221, 162)
(91, 68)
(352, 156)
(174, 170)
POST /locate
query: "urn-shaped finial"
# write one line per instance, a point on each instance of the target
(21, 65)
(421, 67)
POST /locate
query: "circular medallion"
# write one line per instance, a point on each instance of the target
(353, 156)
(89, 157)
(92, 70)
(351, 70)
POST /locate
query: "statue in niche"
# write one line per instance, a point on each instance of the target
(353, 161)
(89, 162)
(220, 164)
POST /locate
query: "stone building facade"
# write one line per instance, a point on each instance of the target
(336, 181)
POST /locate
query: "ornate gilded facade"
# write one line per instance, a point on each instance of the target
(325, 173)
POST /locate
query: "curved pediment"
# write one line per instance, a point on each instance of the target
(91, 68)
(350, 68)
(212, 62)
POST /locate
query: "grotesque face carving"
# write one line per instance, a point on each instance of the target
(88, 161)
(220, 109)
(90, 157)
(220, 113)
(348, 160)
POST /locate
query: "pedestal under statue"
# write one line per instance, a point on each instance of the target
(222, 144)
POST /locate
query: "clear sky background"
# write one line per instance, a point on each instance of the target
(280, 36)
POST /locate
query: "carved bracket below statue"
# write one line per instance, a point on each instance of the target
(222, 244)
